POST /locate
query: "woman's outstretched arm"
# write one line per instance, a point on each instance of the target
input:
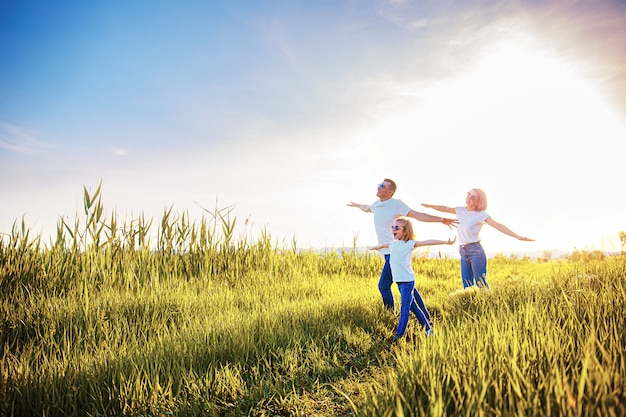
(502, 228)
(445, 209)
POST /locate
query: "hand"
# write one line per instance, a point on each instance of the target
(527, 239)
(451, 241)
(352, 204)
(450, 222)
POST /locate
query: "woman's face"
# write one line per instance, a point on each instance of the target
(471, 200)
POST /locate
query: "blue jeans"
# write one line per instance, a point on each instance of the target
(473, 265)
(384, 286)
(408, 304)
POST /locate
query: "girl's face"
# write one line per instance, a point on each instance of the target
(398, 231)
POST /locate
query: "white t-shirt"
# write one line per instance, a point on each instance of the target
(385, 213)
(470, 223)
(400, 260)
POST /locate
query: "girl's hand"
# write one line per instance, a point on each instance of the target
(451, 241)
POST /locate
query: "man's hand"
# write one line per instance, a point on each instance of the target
(450, 222)
(363, 207)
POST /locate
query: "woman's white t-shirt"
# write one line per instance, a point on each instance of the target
(400, 260)
(470, 223)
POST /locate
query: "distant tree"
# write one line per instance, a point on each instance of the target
(622, 239)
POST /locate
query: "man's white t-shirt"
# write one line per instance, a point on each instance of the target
(470, 223)
(400, 260)
(385, 213)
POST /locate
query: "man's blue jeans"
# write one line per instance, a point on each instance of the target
(473, 265)
(384, 286)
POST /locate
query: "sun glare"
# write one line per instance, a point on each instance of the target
(521, 117)
(515, 92)
(533, 82)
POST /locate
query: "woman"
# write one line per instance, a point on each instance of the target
(471, 219)
(401, 250)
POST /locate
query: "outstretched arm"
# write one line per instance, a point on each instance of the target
(423, 217)
(502, 228)
(432, 242)
(445, 209)
(363, 207)
(379, 247)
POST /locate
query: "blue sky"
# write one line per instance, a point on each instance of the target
(288, 110)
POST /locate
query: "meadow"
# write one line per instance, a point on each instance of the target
(106, 320)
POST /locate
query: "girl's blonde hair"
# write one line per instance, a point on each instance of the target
(409, 234)
(481, 199)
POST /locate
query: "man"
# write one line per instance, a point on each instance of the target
(385, 211)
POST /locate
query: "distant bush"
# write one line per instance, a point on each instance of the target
(585, 256)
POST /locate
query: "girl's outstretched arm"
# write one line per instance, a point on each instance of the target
(379, 247)
(432, 242)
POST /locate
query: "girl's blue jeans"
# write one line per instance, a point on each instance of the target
(384, 286)
(408, 304)
(473, 265)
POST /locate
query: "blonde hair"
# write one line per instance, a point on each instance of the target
(481, 199)
(409, 234)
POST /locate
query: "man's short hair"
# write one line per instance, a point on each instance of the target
(392, 184)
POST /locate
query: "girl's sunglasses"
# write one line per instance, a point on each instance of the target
(396, 228)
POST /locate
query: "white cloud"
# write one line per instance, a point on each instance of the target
(20, 140)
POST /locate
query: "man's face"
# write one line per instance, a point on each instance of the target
(384, 191)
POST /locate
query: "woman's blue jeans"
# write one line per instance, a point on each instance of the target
(384, 286)
(473, 265)
(408, 304)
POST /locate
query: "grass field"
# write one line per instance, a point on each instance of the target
(103, 321)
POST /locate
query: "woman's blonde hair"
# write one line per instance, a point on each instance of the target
(481, 199)
(408, 228)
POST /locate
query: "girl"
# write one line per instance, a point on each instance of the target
(471, 220)
(401, 250)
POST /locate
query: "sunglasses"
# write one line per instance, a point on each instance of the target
(381, 185)
(396, 228)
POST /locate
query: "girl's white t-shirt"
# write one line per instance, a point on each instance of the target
(400, 260)
(470, 223)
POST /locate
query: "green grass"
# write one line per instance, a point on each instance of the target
(551, 345)
(105, 322)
